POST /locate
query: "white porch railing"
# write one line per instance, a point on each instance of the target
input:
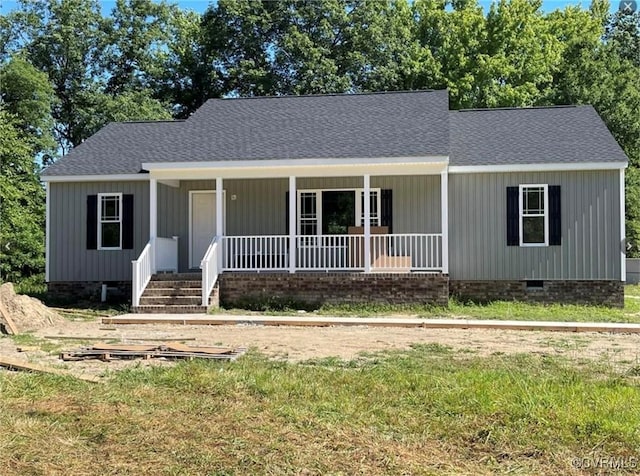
(330, 252)
(210, 266)
(407, 251)
(397, 252)
(256, 253)
(142, 271)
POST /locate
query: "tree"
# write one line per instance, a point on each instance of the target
(137, 34)
(28, 96)
(21, 204)
(188, 76)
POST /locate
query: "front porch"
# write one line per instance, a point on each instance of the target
(388, 223)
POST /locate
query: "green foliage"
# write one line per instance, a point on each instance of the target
(21, 205)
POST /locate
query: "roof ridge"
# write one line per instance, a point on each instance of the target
(515, 108)
(149, 121)
(346, 94)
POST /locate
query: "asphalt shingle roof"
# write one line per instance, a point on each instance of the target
(396, 124)
(562, 134)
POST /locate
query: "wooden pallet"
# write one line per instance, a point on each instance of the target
(107, 352)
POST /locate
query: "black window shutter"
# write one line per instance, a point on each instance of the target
(513, 227)
(386, 212)
(555, 216)
(92, 222)
(286, 216)
(127, 222)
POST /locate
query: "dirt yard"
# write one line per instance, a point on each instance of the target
(303, 343)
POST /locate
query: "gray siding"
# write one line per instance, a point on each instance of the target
(590, 228)
(253, 207)
(258, 206)
(69, 258)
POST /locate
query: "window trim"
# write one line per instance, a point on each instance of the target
(100, 220)
(521, 189)
(318, 195)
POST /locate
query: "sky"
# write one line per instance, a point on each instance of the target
(201, 5)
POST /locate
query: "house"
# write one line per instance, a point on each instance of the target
(358, 197)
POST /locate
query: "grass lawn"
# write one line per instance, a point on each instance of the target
(424, 411)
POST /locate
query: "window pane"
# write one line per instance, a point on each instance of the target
(111, 235)
(110, 208)
(533, 229)
(533, 201)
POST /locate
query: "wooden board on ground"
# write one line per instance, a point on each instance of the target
(108, 352)
(5, 318)
(14, 364)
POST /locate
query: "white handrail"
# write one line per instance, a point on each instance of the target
(142, 271)
(210, 266)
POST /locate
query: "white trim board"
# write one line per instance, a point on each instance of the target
(47, 228)
(141, 177)
(557, 167)
(271, 163)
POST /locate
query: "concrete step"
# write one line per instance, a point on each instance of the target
(170, 300)
(151, 309)
(187, 284)
(177, 291)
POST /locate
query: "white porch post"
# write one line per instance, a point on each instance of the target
(292, 224)
(153, 220)
(220, 218)
(444, 206)
(367, 223)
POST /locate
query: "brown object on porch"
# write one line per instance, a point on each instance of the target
(380, 258)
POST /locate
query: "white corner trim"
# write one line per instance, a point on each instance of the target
(467, 169)
(271, 163)
(47, 231)
(623, 244)
(142, 177)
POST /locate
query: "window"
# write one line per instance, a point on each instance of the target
(374, 209)
(332, 212)
(308, 218)
(534, 219)
(110, 221)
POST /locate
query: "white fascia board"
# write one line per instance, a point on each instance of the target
(267, 169)
(558, 167)
(141, 177)
(288, 163)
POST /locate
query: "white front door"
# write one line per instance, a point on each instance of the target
(202, 225)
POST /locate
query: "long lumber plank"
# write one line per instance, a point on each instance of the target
(21, 365)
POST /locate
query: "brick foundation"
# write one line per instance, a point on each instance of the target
(117, 291)
(334, 288)
(604, 293)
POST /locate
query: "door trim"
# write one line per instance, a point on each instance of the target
(190, 231)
